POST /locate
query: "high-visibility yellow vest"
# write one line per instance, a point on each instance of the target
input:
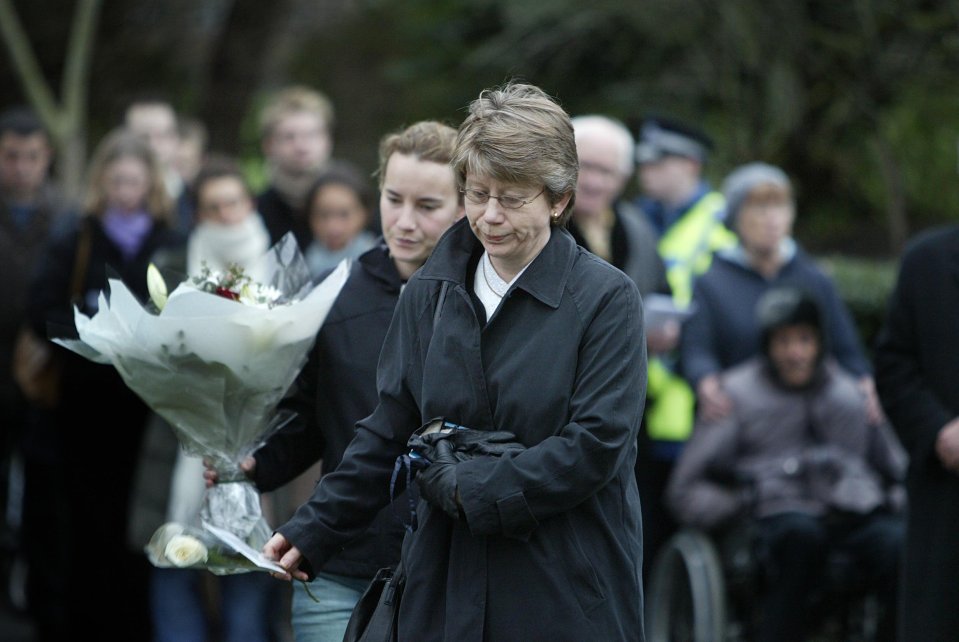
(688, 245)
(687, 249)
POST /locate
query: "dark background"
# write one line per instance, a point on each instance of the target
(857, 101)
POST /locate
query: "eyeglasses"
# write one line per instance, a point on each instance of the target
(508, 202)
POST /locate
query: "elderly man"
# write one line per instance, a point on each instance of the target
(618, 232)
(607, 226)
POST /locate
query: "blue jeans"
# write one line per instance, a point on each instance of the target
(178, 604)
(325, 620)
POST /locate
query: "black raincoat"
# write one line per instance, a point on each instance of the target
(551, 547)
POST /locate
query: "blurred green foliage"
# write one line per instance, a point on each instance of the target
(854, 100)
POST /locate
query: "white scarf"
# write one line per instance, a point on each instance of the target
(220, 245)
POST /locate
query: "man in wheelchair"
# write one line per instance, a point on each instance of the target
(799, 461)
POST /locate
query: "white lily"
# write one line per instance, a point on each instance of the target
(156, 286)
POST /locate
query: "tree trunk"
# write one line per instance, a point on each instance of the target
(72, 163)
(898, 225)
(66, 122)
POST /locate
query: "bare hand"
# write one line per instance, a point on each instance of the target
(714, 404)
(212, 476)
(279, 549)
(947, 445)
(873, 407)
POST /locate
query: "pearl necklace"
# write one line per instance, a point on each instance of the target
(501, 286)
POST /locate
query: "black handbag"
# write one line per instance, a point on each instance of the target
(375, 616)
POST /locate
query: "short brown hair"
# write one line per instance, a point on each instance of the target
(427, 140)
(518, 134)
(295, 99)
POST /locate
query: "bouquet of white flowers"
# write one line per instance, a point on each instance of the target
(214, 359)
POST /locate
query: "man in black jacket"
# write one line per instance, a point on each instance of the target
(31, 206)
(297, 141)
(917, 366)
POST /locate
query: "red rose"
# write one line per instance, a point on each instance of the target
(228, 294)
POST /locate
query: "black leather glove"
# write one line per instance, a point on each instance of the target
(481, 443)
(466, 443)
(437, 482)
(426, 446)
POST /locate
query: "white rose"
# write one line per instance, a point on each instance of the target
(184, 550)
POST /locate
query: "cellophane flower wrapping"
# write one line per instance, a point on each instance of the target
(216, 369)
(176, 545)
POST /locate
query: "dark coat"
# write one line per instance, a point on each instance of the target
(633, 246)
(101, 424)
(917, 370)
(280, 217)
(551, 547)
(20, 252)
(337, 388)
(90, 389)
(723, 331)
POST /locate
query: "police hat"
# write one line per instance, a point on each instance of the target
(661, 137)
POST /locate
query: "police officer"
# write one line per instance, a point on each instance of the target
(688, 215)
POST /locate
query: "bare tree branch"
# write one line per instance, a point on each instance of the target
(67, 120)
(27, 67)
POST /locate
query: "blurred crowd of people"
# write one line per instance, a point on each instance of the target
(156, 194)
(754, 365)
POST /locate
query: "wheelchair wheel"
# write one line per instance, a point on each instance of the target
(687, 593)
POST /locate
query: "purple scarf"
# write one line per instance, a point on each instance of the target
(127, 230)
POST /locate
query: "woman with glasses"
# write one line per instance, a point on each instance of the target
(508, 326)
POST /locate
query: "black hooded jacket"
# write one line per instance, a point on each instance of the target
(335, 389)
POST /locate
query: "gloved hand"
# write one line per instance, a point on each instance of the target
(481, 443)
(437, 482)
(465, 443)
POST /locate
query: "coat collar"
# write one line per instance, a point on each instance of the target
(544, 279)
(377, 263)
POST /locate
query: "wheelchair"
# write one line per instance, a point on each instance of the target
(703, 588)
